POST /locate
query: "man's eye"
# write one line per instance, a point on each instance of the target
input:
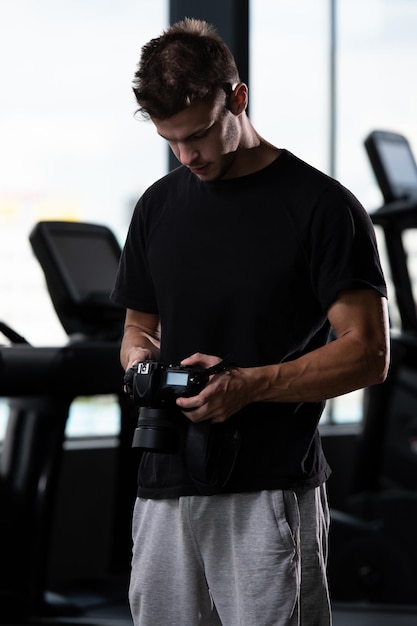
(200, 135)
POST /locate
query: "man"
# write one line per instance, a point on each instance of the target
(244, 253)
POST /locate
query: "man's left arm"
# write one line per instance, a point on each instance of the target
(356, 358)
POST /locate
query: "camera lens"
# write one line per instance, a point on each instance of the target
(157, 430)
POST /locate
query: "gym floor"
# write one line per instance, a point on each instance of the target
(343, 615)
(359, 615)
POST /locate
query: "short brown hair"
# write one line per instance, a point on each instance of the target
(189, 62)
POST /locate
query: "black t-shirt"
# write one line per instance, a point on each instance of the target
(247, 267)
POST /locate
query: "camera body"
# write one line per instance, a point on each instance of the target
(157, 385)
(154, 387)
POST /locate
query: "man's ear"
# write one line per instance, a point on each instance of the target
(238, 99)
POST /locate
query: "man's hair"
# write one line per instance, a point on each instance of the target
(188, 63)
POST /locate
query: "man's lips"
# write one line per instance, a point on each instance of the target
(199, 169)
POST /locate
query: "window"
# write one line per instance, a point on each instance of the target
(93, 415)
(71, 148)
(289, 82)
(70, 145)
(377, 50)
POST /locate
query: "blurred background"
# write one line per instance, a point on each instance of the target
(322, 75)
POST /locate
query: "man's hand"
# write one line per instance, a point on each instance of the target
(225, 394)
(137, 355)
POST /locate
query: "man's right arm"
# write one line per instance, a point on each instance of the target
(141, 338)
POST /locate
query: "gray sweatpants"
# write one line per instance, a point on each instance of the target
(250, 559)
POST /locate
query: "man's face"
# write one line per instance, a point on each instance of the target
(204, 137)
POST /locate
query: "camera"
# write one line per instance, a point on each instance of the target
(155, 384)
(154, 387)
(209, 451)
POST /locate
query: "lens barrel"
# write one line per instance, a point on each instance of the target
(157, 430)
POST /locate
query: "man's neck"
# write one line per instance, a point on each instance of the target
(253, 154)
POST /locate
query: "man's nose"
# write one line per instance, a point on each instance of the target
(187, 154)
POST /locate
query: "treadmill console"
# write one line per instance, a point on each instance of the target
(394, 165)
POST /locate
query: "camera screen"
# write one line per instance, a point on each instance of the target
(176, 379)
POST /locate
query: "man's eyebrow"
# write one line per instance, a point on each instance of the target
(193, 134)
(167, 138)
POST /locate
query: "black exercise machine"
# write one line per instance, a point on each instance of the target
(79, 262)
(373, 556)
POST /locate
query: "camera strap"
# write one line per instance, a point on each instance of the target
(211, 453)
(211, 449)
(220, 367)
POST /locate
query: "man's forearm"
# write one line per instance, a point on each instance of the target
(140, 343)
(330, 371)
(137, 346)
